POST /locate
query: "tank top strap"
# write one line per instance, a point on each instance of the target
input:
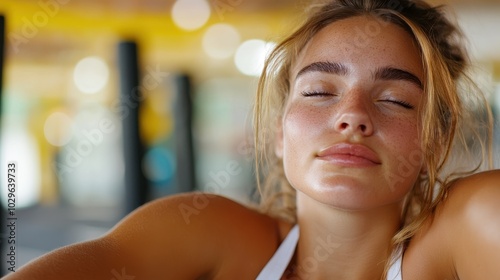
(278, 263)
(394, 272)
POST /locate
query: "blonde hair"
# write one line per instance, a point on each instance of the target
(455, 120)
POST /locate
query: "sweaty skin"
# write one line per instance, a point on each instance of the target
(359, 106)
(351, 123)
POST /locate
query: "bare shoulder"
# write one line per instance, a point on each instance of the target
(199, 231)
(478, 192)
(480, 181)
(472, 211)
(188, 236)
(198, 210)
(193, 209)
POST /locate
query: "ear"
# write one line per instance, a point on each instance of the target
(278, 139)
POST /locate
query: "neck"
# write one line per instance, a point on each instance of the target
(340, 244)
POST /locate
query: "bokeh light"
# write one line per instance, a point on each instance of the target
(159, 165)
(58, 129)
(19, 146)
(190, 14)
(221, 40)
(251, 55)
(91, 75)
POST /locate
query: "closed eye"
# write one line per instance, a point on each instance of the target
(401, 103)
(315, 93)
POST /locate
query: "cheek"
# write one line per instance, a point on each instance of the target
(403, 143)
(302, 127)
(302, 123)
(403, 134)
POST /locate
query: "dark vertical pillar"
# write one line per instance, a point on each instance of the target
(3, 216)
(2, 54)
(136, 188)
(185, 177)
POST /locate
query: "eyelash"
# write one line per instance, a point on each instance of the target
(324, 93)
(315, 93)
(401, 103)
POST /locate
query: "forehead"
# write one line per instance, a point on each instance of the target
(362, 42)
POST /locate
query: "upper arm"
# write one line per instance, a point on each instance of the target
(171, 237)
(179, 237)
(477, 227)
(193, 235)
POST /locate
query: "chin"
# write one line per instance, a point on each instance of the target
(351, 193)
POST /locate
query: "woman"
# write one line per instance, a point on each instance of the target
(357, 118)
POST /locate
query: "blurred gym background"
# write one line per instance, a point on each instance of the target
(108, 104)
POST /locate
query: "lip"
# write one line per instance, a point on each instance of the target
(350, 155)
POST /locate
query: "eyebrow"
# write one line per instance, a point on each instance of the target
(325, 66)
(389, 73)
(385, 73)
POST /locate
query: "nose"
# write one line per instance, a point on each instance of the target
(353, 117)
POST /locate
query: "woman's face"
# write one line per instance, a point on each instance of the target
(350, 131)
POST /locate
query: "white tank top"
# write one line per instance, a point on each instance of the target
(278, 263)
